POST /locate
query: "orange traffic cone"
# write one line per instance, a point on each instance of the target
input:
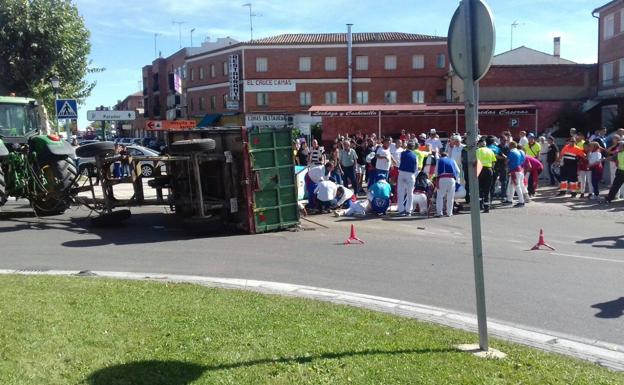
(353, 237)
(541, 242)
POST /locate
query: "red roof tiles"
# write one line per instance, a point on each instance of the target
(341, 38)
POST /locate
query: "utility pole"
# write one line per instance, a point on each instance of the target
(156, 34)
(192, 30)
(513, 26)
(179, 23)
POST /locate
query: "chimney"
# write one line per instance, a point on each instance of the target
(557, 47)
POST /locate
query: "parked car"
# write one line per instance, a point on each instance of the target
(86, 166)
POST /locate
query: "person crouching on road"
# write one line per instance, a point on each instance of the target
(532, 170)
(447, 174)
(569, 158)
(379, 195)
(422, 189)
(344, 197)
(313, 177)
(326, 194)
(408, 165)
(515, 160)
(486, 156)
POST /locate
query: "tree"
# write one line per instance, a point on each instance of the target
(40, 39)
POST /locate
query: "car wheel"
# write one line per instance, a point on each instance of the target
(147, 170)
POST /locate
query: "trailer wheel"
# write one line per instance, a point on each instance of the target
(193, 145)
(93, 149)
(3, 194)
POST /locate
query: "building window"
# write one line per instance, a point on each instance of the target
(201, 73)
(191, 105)
(213, 72)
(361, 97)
(361, 63)
(620, 78)
(622, 20)
(262, 64)
(330, 63)
(213, 102)
(607, 74)
(305, 64)
(331, 97)
(202, 103)
(441, 60)
(418, 96)
(225, 98)
(390, 62)
(192, 74)
(305, 98)
(262, 99)
(609, 26)
(184, 71)
(390, 97)
(226, 69)
(418, 62)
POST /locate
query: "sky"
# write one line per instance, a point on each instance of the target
(122, 31)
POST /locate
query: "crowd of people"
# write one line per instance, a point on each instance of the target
(422, 174)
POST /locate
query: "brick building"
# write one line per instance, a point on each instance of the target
(609, 100)
(280, 77)
(135, 128)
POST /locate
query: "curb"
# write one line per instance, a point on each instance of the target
(605, 354)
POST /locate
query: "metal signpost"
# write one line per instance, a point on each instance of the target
(471, 46)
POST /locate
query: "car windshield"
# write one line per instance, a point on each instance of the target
(17, 119)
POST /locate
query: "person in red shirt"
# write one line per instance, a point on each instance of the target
(569, 158)
(532, 169)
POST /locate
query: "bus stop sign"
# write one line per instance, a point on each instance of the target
(482, 39)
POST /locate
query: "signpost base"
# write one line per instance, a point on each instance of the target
(476, 350)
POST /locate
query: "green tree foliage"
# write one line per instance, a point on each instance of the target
(40, 39)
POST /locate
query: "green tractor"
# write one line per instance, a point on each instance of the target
(34, 163)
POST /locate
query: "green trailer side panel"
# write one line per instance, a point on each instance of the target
(275, 197)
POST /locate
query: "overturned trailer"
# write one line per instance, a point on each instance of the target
(218, 178)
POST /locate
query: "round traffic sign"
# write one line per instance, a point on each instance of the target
(482, 38)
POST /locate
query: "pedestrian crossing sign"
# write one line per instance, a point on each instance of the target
(66, 109)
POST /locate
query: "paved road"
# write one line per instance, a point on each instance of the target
(576, 290)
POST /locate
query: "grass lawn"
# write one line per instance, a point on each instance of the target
(104, 332)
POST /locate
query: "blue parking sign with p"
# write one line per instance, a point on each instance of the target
(66, 109)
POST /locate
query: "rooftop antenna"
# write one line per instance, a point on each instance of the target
(179, 23)
(514, 25)
(192, 30)
(156, 34)
(251, 16)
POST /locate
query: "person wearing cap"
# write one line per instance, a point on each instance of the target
(379, 195)
(486, 156)
(532, 148)
(434, 141)
(515, 160)
(569, 160)
(500, 168)
(408, 166)
(447, 174)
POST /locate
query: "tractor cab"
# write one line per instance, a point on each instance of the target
(19, 119)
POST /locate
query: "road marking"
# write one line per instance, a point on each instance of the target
(590, 258)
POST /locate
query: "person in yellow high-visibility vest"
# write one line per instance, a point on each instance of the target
(619, 174)
(487, 158)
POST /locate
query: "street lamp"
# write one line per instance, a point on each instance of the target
(56, 85)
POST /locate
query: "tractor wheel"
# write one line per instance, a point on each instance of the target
(61, 175)
(3, 193)
(193, 145)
